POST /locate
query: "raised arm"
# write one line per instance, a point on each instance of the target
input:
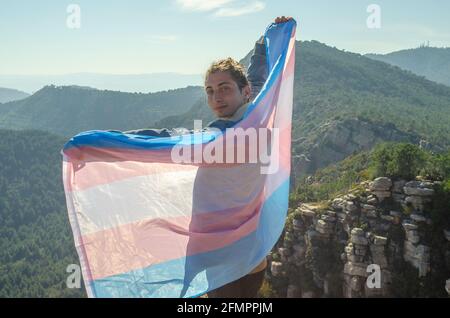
(257, 71)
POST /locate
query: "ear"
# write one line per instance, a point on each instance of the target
(247, 92)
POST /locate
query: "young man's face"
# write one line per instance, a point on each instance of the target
(224, 95)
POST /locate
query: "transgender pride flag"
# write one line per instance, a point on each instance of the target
(146, 225)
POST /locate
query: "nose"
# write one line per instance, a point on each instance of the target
(217, 96)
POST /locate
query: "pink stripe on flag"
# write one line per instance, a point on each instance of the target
(146, 243)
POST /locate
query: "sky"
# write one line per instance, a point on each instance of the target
(185, 36)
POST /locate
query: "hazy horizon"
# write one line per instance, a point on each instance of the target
(161, 81)
(197, 74)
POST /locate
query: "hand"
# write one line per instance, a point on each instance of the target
(282, 19)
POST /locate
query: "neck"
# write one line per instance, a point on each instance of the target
(238, 114)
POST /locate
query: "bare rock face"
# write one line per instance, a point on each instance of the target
(357, 232)
(335, 140)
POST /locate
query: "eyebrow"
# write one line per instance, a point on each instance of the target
(222, 83)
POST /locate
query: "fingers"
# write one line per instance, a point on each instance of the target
(282, 19)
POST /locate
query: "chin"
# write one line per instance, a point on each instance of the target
(223, 113)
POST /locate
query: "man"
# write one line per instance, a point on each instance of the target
(230, 91)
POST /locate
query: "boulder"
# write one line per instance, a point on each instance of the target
(381, 184)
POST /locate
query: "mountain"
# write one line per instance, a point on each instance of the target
(9, 95)
(36, 244)
(68, 110)
(345, 103)
(144, 83)
(431, 62)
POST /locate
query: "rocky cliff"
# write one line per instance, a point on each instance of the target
(382, 239)
(335, 140)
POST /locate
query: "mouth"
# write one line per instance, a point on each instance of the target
(221, 107)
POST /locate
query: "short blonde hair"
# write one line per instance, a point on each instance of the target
(234, 68)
